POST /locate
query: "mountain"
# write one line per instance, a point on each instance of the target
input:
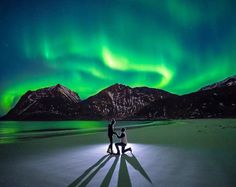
(51, 103)
(214, 101)
(125, 103)
(231, 81)
(119, 101)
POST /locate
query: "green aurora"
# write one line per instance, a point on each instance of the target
(175, 45)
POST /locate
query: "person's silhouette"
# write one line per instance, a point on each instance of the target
(110, 134)
(123, 142)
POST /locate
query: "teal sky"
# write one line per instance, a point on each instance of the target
(175, 45)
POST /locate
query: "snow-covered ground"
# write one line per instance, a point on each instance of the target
(184, 153)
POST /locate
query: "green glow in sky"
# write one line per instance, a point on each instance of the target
(175, 45)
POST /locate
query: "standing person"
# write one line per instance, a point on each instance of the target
(123, 142)
(110, 134)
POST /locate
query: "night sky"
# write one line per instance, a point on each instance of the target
(175, 45)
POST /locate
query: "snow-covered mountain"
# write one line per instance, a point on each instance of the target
(125, 103)
(231, 81)
(214, 101)
(119, 101)
(51, 103)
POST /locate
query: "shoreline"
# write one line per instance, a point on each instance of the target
(50, 133)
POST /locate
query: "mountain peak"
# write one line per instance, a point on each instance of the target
(58, 86)
(66, 92)
(55, 102)
(230, 81)
(116, 87)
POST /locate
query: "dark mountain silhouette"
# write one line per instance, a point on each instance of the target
(52, 103)
(125, 103)
(231, 81)
(214, 101)
(119, 101)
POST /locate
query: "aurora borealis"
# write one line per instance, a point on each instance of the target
(175, 45)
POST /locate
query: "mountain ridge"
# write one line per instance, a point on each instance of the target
(118, 101)
(126, 103)
(230, 81)
(55, 102)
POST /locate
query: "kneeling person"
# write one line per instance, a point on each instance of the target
(123, 142)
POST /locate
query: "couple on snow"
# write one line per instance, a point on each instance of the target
(123, 139)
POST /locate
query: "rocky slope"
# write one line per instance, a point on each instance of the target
(52, 103)
(119, 101)
(125, 103)
(214, 102)
(231, 81)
